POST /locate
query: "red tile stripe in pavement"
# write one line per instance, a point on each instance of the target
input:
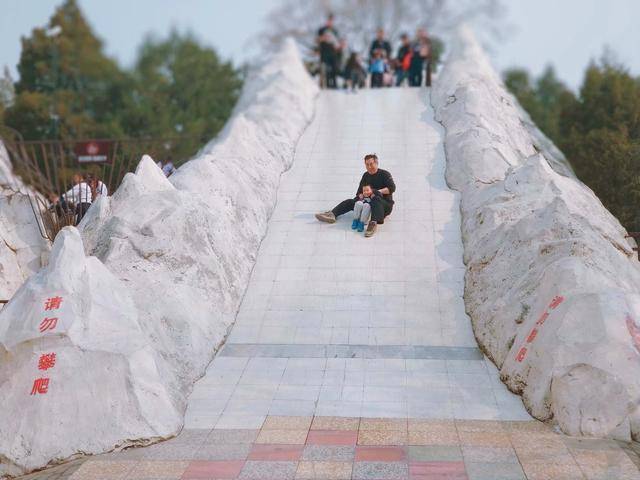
(224, 469)
(437, 468)
(332, 437)
(380, 454)
(440, 470)
(276, 452)
(441, 476)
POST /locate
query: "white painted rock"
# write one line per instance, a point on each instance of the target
(74, 362)
(22, 247)
(7, 178)
(580, 410)
(552, 284)
(182, 251)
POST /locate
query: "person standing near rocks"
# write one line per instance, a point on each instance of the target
(79, 196)
(383, 187)
(403, 60)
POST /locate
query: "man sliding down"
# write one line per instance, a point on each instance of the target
(381, 203)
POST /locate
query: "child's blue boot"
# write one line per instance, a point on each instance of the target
(354, 224)
(361, 226)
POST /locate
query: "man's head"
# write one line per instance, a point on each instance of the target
(367, 191)
(371, 163)
(380, 34)
(330, 20)
(404, 38)
(76, 179)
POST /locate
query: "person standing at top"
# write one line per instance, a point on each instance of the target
(420, 54)
(382, 185)
(380, 43)
(328, 42)
(403, 60)
(377, 68)
(79, 196)
(354, 73)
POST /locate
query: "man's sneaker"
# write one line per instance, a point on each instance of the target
(361, 227)
(354, 224)
(327, 217)
(371, 229)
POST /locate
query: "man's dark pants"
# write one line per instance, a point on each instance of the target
(415, 74)
(329, 70)
(380, 208)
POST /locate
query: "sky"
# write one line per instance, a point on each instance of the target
(564, 33)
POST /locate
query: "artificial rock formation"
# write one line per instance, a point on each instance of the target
(552, 285)
(180, 252)
(23, 250)
(77, 373)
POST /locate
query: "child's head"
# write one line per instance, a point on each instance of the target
(367, 191)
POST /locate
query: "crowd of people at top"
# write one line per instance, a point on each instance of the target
(412, 62)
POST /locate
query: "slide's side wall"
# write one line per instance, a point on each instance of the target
(178, 254)
(552, 285)
(22, 248)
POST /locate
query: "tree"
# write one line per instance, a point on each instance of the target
(70, 90)
(68, 87)
(182, 88)
(598, 131)
(518, 81)
(600, 134)
(544, 99)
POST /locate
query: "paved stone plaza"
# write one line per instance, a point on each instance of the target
(327, 448)
(353, 358)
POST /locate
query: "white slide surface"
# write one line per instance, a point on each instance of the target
(335, 324)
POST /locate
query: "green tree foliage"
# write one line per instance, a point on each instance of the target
(544, 99)
(68, 88)
(182, 88)
(600, 134)
(437, 49)
(598, 130)
(178, 96)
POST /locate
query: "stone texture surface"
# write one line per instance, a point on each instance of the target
(178, 256)
(551, 285)
(23, 251)
(532, 450)
(93, 355)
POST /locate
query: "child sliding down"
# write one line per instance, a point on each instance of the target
(362, 209)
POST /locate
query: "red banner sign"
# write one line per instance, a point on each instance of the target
(93, 151)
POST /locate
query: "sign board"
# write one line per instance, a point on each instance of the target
(93, 151)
